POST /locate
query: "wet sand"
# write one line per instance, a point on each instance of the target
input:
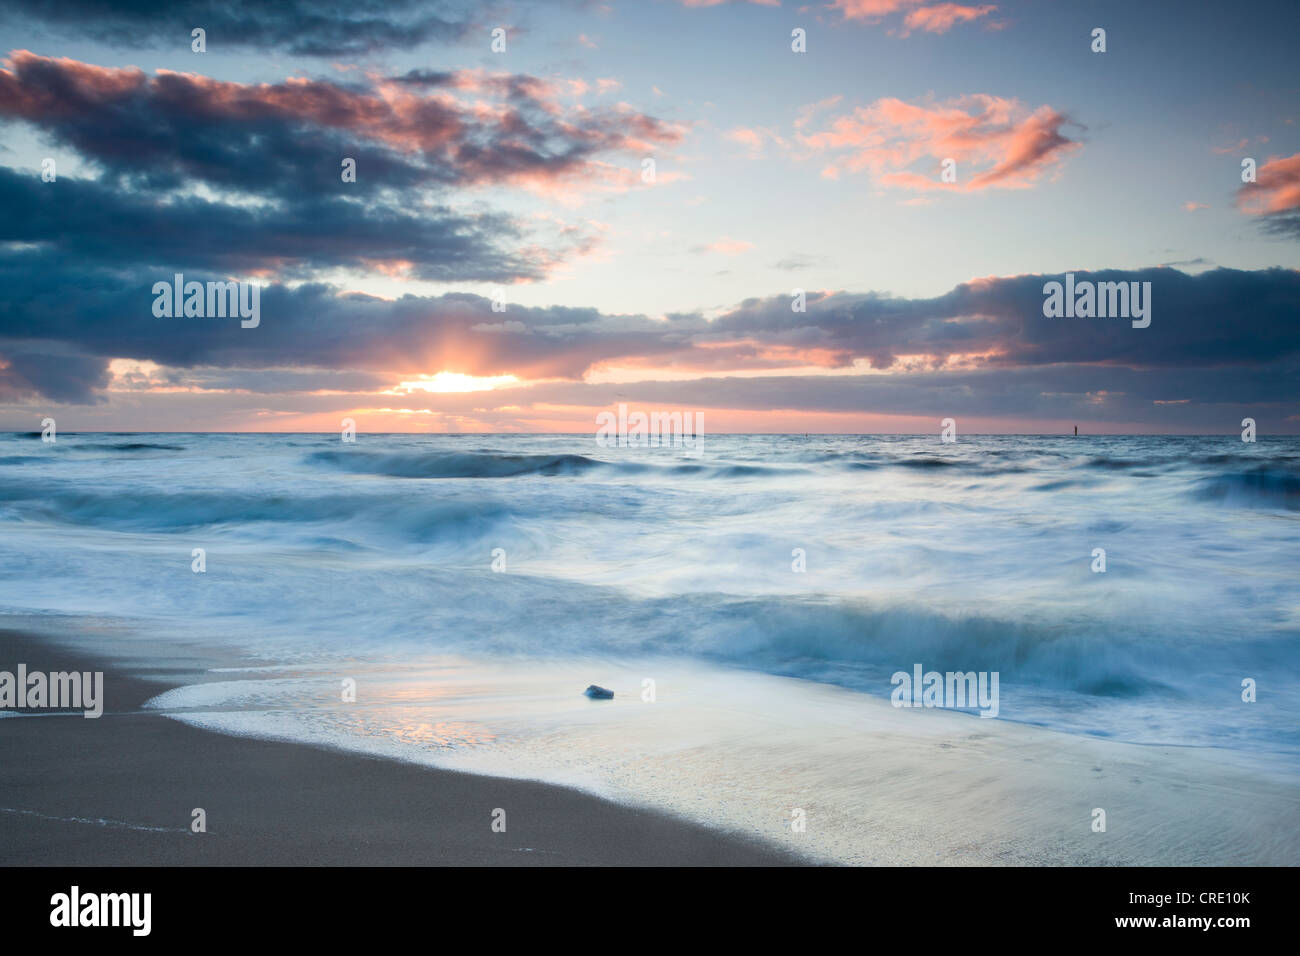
(120, 790)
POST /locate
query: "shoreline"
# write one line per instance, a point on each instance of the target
(120, 790)
(708, 782)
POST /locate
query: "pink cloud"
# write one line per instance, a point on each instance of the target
(941, 17)
(919, 14)
(754, 138)
(488, 127)
(871, 10)
(746, 137)
(1276, 189)
(729, 247)
(996, 142)
(718, 3)
(1239, 146)
(808, 113)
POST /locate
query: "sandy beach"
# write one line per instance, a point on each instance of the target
(119, 790)
(905, 788)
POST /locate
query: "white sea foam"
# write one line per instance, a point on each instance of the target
(973, 556)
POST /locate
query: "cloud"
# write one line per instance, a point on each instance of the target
(56, 374)
(920, 15)
(300, 27)
(1008, 145)
(718, 3)
(87, 220)
(799, 261)
(726, 246)
(460, 128)
(871, 10)
(1276, 189)
(754, 139)
(941, 17)
(231, 177)
(1239, 146)
(985, 328)
(1274, 195)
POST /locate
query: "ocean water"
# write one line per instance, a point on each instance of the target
(374, 562)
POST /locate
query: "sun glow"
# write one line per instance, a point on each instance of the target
(456, 382)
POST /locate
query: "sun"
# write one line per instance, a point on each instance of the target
(458, 382)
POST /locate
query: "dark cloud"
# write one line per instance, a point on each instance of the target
(89, 221)
(107, 313)
(56, 374)
(1222, 337)
(1284, 224)
(1216, 317)
(304, 27)
(1195, 398)
(217, 179)
(286, 141)
(228, 177)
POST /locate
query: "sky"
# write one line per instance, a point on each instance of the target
(832, 217)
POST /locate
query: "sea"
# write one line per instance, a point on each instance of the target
(448, 598)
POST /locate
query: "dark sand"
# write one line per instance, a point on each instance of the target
(77, 792)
